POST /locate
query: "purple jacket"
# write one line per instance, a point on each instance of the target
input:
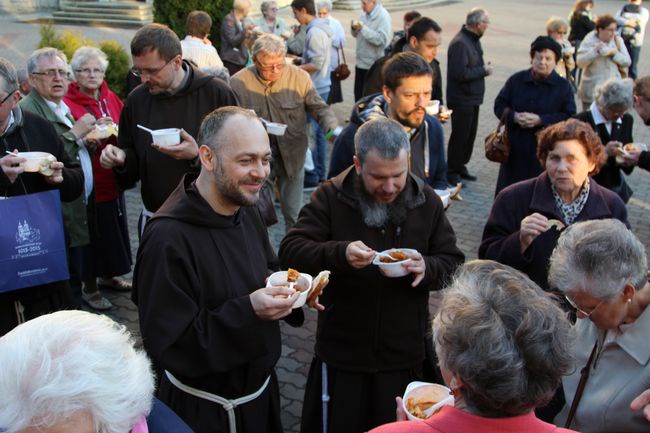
(501, 233)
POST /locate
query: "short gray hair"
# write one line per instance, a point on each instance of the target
(47, 52)
(8, 74)
(210, 132)
(475, 16)
(327, 4)
(598, 257)
(505, 338)
(615, 92)
(216, 71)
(70, 361)
(269, 44)
(83, 54)
(266, 5)
(386, 136)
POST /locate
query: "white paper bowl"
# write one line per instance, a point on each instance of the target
(423, 390)
(303, 284)
(35, 160)
(433, 107)
(392, 270)
(166, 137)
(275, 128)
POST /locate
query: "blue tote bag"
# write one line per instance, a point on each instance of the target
(32, 244)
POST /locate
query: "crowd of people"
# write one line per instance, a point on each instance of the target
(543, 333)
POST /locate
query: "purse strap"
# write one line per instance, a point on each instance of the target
(504, 118)
(342, 53)
(584, 375)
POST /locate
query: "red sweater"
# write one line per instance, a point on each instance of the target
(108, 104)
(452, 420)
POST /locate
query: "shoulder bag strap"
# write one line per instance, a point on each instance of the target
(584, 375)
(342, 54)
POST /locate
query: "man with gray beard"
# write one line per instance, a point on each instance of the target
(371, 328)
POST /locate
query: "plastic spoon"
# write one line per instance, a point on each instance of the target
(145, 129)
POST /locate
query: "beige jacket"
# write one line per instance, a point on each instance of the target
(287, 100)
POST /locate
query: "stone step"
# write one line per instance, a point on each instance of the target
(123, 13)
(105, 5)
(129, 15)
(95, 22)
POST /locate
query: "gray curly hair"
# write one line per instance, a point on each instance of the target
(505, 338)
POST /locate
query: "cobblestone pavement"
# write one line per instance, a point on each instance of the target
(514, 24)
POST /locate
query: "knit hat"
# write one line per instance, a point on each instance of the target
(546, 42)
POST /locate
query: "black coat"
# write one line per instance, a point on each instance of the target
(610, 175)
(371, 323)
(501, 233)
(551, 99)
(465, 70)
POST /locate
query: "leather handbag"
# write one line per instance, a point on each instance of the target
(497, 145)
(341, 72)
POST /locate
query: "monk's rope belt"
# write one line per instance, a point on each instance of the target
(228, 405)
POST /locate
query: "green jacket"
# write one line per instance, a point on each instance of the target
(75, 217)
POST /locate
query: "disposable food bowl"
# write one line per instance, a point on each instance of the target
(275, 128)
(433, 107)
(424, 391)
(166, 137)
(303, 284)
(394, 269)
(36, 161)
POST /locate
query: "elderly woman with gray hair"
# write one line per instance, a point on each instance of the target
(601, 268)
(503, 346)
(270, 22)
(608, 116)
(324, 10)
(78, 372)
(109, 253)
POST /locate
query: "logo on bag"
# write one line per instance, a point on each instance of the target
(27, 234)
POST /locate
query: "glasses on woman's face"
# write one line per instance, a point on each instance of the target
(580, 310)
(88, 71)
(7, 97)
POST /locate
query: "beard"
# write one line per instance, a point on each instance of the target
(379, 215)
(405, 121)
(230, 188)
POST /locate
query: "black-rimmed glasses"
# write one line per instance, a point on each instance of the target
(8, 96)
(149, 72)
(52, 73)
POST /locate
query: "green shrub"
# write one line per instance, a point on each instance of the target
(69, 42)
(118, 66)
(174, 12)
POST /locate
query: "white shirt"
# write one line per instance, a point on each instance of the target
(201, 54)
(599, 119)
(62, 112)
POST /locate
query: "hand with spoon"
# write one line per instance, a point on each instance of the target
(12, 165)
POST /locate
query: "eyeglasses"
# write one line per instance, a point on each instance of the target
(52, 73)
(140, 72)
(271, 68)
(580, 310)
(7, 97)
(88, 71)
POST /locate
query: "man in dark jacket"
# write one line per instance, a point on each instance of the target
(24, 131)
(174, 94)
(424, 39)
(406, 92)
(371, 328)
(639, 156)
(205, 321)
(466, 72)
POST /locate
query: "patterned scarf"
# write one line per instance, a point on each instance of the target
(570, 211)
